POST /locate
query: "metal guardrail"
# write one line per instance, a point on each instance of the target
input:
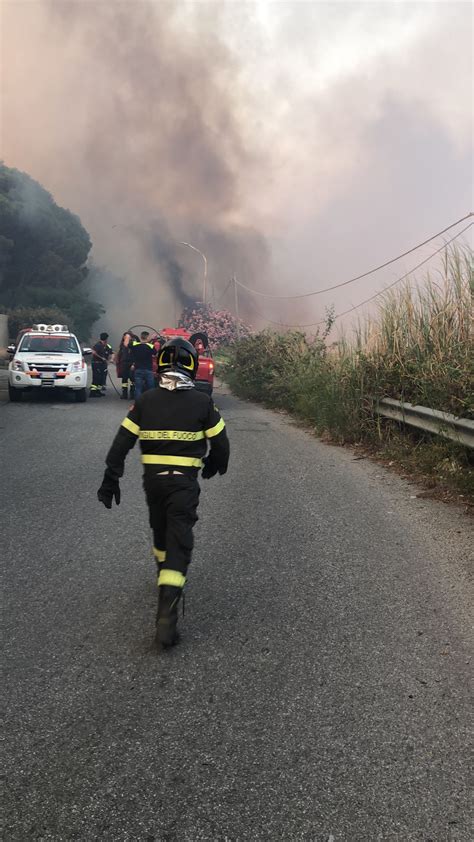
(460, 430)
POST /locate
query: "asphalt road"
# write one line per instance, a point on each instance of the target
(321, 691)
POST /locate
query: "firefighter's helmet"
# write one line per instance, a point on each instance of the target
(178, 355)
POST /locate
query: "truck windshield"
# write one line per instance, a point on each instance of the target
(49, 345)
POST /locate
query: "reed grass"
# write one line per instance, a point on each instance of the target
(417, 347)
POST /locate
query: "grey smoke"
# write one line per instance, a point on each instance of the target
(294, 144)
(149, 151)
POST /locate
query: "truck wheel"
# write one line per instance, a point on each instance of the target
(81, 395)
(14, 394)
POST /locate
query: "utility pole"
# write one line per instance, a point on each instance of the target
(204, 286)
(236, 300)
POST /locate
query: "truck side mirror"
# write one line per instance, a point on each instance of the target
(86, 352)
(11, 348)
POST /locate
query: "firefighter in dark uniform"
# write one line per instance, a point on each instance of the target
(124, 365)
(174, 423)
(101, 352)
(142, 354)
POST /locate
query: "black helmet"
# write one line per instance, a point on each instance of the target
(178, 355)
(202, 336)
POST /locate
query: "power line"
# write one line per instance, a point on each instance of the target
(382, 291)
(358, 277)
(223, 294)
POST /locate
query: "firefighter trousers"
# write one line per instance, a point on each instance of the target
(99, 376)
(172, 502)
(128, 375)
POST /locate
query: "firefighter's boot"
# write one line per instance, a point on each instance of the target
(124, 393)
(167, 617)
(132, 391)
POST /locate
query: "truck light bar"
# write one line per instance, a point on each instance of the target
(51, 328)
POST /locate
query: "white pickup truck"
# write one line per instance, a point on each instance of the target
(47, 357)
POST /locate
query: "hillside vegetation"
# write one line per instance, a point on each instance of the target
(416, 348)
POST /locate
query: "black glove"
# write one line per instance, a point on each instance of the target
(109, 489)
(209, 470)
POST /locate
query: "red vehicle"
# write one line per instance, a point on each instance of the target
(205, 373)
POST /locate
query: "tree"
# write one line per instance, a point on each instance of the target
(43, 253)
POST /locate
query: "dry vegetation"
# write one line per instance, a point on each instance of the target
(417, 348)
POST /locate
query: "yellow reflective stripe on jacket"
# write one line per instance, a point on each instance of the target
(188, 461)
(171, 577)
(214, 431)
(171, 435)
(160, 555)
(129, 425)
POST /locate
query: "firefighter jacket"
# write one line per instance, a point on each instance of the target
(174, 429)
(123, 360)
(142, 354)
(101, 353)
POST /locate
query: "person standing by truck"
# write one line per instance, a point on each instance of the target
(101, 353)
(124, 365)
(142, 354)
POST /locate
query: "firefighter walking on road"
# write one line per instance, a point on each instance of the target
(101, 353)
(174, 424)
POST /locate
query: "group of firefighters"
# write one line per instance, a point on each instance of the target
(134, 361)
(175, 425)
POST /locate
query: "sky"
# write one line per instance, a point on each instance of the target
(296, 144)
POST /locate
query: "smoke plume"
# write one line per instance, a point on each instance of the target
(293, 144)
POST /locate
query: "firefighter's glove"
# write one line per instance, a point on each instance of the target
(109, 490)
(209, 470)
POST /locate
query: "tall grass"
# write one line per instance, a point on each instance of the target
(419, 347)
(416, 348)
